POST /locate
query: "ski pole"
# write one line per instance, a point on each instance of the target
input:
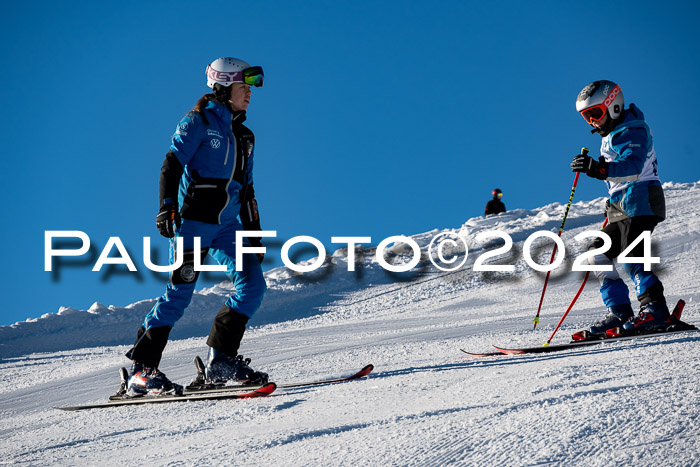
(571, 305)
(584, 151)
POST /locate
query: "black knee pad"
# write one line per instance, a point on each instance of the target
(186, 274)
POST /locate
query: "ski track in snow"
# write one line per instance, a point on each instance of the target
(629, 403)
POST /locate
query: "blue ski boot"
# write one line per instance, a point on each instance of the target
(616, 317)
(144, 381)
(651, 316)
(221, 368)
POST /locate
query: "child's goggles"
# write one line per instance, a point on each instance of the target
(594, 114)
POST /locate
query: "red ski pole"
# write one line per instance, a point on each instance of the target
(584, 151)
(571, 305)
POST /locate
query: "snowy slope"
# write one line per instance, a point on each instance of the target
(631, 402)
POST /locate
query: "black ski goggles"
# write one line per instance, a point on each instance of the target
(253, 76)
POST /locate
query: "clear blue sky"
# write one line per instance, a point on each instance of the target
(376, 118)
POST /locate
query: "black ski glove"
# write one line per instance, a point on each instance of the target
(168, 217)
(590, 167)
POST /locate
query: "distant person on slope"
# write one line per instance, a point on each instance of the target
(495, 205)
(636, 204)
(206, 185)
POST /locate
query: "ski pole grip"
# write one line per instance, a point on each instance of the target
(584, 151)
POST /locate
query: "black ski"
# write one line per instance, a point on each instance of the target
(206, 392)
(265, 390)
(199, 387)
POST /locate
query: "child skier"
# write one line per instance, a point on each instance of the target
(628, 166)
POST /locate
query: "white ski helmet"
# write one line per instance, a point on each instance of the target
(227, 70)
(598, 98)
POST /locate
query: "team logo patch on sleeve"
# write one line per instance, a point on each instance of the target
(187, 273)
(181, 129)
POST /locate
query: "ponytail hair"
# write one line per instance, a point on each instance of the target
(220, 95)
(201, 105)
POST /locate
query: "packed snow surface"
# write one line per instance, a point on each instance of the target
(427, 403)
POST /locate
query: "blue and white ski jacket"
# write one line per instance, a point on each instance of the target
(633, 181)
(209, 168)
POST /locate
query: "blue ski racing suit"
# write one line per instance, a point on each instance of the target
(208, 175)
(636, 204)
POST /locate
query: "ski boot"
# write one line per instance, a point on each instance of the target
(616, 317)
(652, 316)
(144, 381)
(221, 368)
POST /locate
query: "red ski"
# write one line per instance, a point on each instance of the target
(675, 326)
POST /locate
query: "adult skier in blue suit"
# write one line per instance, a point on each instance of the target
(206, 186)
(628, 166)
